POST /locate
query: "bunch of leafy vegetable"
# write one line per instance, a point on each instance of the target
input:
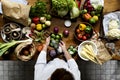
(39, 9)
(60, 7)
(74, 12)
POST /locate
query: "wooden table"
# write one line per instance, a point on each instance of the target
(110, 5)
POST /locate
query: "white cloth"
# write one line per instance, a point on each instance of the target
(44, 70)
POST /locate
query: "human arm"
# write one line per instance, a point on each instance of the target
(41, 61)
(42, 55)
(71, 62)
(66, 54)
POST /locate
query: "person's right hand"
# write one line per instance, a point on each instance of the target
(66, 54)
(63, 46)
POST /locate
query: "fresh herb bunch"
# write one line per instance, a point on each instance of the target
(38, 10)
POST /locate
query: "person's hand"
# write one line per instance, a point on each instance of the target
(47, 41)
(66, 54)
(63, 46)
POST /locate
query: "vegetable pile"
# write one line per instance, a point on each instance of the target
(54, 40)
(88, 53)
(63, 7)
(38, 10)
(83, 31)
(113, 30)
(72, 50)
(90, 13)
(4, 47)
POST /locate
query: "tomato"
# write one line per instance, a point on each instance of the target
(79, 36)
(84, 37)
(36, 20)
(78, 30)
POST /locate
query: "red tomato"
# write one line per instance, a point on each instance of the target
(79, 36)
(78, 30)
(36, 20)
(84, 37)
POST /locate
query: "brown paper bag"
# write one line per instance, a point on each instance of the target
(15, 11)
(103, 54)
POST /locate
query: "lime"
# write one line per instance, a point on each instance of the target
(92, 21)
(57, 37)
(61, 35)
(53, 35)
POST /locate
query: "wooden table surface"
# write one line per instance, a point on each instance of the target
(109, 6)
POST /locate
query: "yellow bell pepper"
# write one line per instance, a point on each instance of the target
(82, 26)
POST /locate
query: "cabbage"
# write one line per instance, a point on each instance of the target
(60, 7)
(74, 12)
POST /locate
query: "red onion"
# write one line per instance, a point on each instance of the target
(56, 29)
(65, 32)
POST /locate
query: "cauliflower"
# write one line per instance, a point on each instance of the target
(113, 34)
(113, 24)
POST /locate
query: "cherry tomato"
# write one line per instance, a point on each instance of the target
(79, 36)
(78, 30)
(84, 37)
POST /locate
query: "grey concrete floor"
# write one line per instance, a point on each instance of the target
(18, 70)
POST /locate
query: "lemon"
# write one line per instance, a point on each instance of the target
(95, 18)
(38, 27)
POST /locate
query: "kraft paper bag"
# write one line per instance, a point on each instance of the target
(15, 11)
(103, 54)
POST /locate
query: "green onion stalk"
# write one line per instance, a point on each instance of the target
(5, 46)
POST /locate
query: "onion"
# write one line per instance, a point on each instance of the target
(32, 25)
(66, 33)
(56, 29)
(48, 23)
(42, 19)
(53, 53)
